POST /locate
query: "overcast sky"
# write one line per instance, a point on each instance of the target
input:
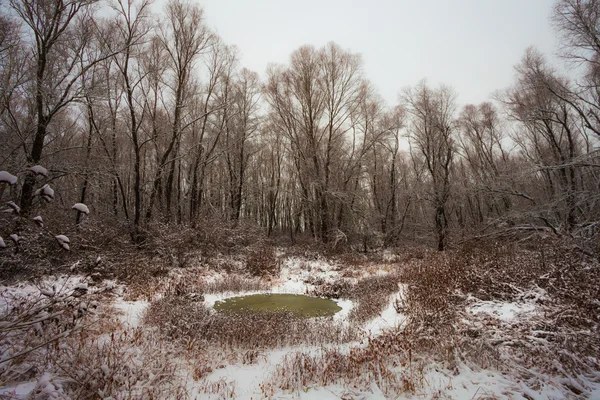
(471, 45)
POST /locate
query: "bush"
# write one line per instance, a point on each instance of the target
(335, 290)
(234, 283)
(359, 367)
(191, 322)
(262, 261)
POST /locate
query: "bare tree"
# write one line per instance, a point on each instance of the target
(432, 132)
(213, 110)
(482, 148)
(185, 37)
(314, 101)
(577, 23)
(298, 105)
(240, 129)
(552, 136)
(131, 25)
(15, 74)
(60, 32)
(387, 173)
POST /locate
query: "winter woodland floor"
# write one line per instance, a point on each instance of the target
(482, 324)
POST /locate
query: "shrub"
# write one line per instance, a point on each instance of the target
(234, 283)
(127, 365)
(191, 322)
(373, 295)
(335, 290)
(387, 360)
(262, 261)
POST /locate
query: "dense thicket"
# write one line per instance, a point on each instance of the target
(151, 118)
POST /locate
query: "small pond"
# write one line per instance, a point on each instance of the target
(304, 306)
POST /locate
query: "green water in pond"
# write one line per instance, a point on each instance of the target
(304, 306)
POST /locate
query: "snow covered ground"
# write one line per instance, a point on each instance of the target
(131, 311)
(294, 275)
(300, 276)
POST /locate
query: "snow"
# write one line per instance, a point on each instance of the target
(46, 192)
(14, 237)
(62, 238)
(502, 310)
(39, 170)
(524, 306)
(7, 177)
(468, 383)
(63, 241)
(435, 381)
(344, 313)
(247, 378)
(336, 392)
(50, 284)
(81, 208)
(453, 384)
(296, 272)
(462, 382)
(131, 311)
(20, 391)
(388, 319)
(38, 220)
(293, 275)
(14, 206)
(2, 244)
(47, 387)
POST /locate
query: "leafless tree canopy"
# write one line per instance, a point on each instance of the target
(151, 119)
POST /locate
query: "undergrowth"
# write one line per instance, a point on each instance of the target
(181, 319)
(385, 360)
(558, 278)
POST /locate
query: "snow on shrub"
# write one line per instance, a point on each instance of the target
(7, 177)
(46, 192)
(262, 261)
(81, 208)
(15, 208)
(63, 241)
(39, 170)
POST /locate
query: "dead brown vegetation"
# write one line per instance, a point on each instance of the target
(386, 360)
(262, 261)
(560, 278)
(190, 321)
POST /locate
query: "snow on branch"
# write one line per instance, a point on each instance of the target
(81, 208)
(14, 207)
(39, 170)
(7, 177)
(63, 241)
(46, 192)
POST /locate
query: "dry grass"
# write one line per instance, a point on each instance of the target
(262, 261)
(235, 283)
(386, 361)
(557, 340)
(127, 364)
(371, 294)
(73, 347)
(181, 319)
(560, 339)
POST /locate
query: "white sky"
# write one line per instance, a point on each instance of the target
(471, 45)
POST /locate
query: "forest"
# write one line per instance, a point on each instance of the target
(146, 177)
